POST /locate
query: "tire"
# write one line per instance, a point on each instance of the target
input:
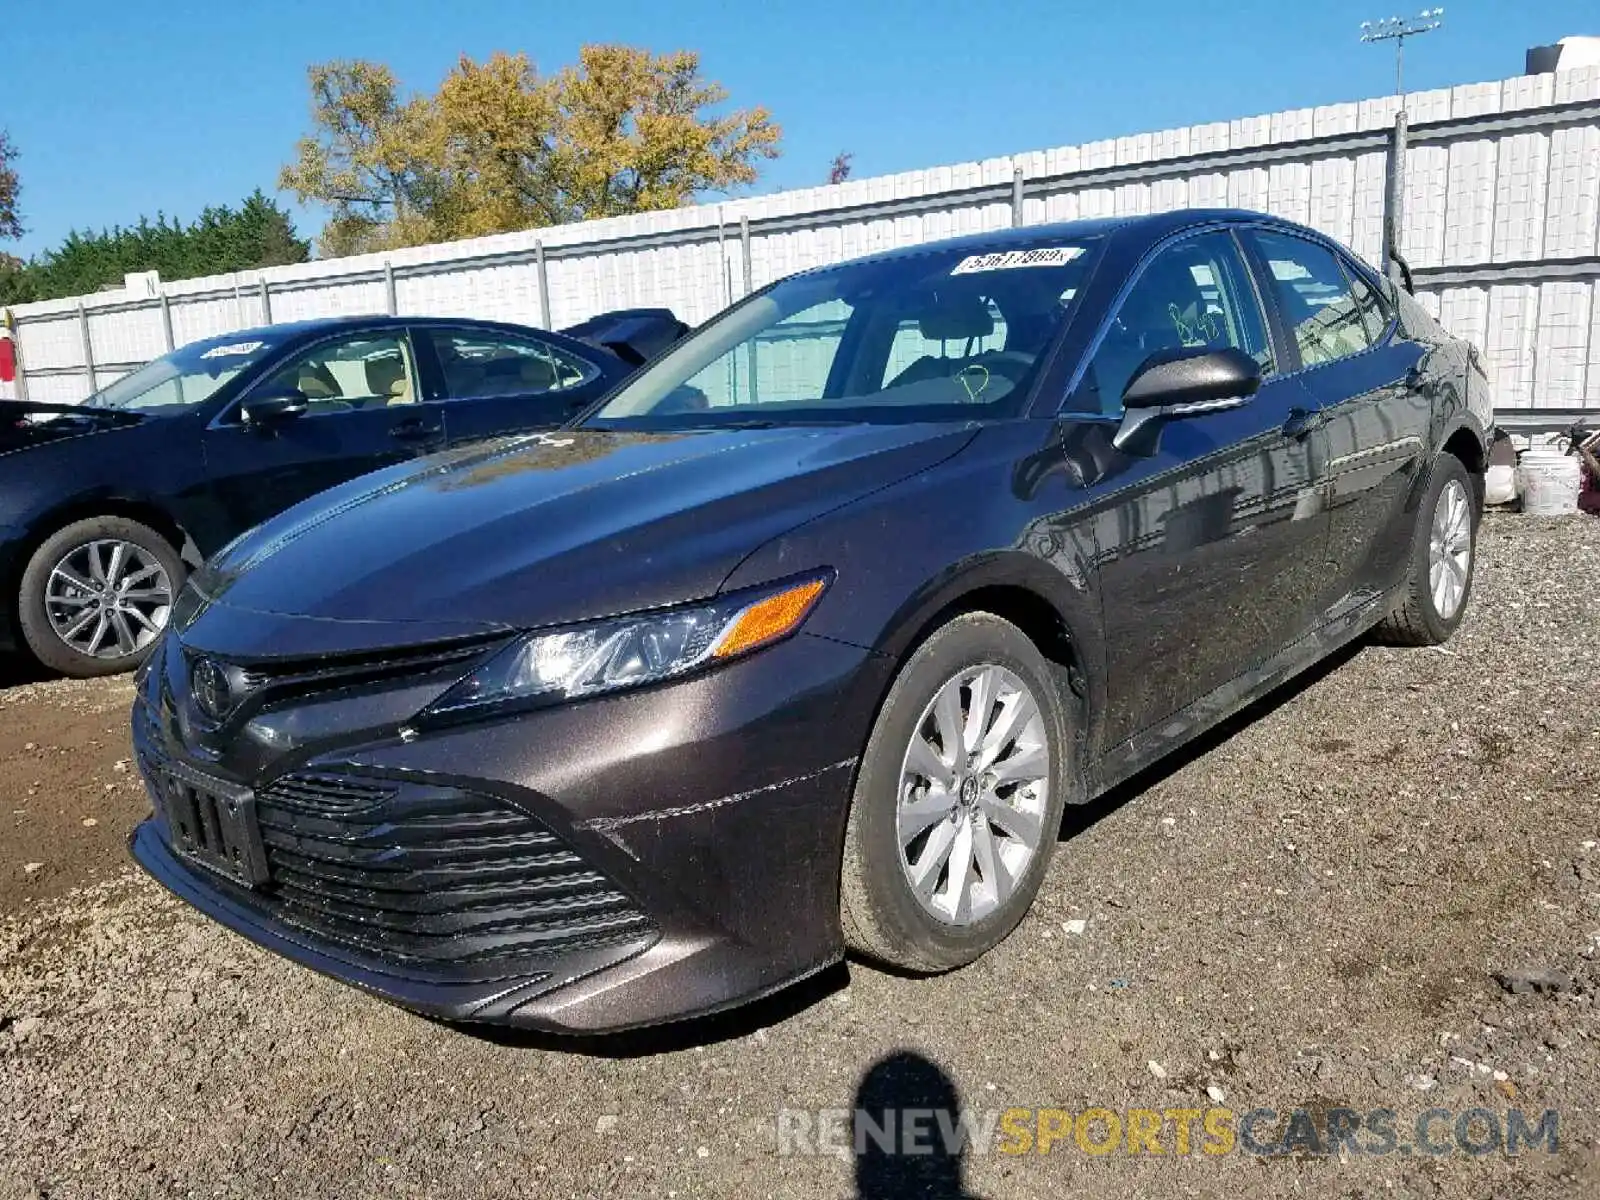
(1417, 619)
(49, 604)
(881, 914)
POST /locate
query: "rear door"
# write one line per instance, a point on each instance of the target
(1373, 421)
(364, 413)
(1208, 547)
(493, 382)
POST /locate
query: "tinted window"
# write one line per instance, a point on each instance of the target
(1195, 294)
(1315, 295)
(484, 363)
(1374, 314)
(939, 334)
(359, 371)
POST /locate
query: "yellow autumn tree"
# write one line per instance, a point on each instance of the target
(500, 147)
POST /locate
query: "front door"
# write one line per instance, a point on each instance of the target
(363, 414)
(1209, 547)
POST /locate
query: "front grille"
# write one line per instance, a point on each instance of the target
(431, 876)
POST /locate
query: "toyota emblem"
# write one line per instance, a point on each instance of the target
(211, 688)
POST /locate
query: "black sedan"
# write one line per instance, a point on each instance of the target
(104, 505)
(804, 637)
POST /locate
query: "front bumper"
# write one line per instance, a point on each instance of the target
(694, 830)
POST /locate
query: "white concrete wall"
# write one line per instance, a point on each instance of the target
(1526, 196)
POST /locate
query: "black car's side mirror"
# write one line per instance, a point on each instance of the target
(1182, 383)
(275, 407)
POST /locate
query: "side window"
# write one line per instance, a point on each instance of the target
(480, 364)
(1194, 293)
(1316, 299)
(349, 373)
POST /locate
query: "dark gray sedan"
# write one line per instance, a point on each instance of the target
(803, 639)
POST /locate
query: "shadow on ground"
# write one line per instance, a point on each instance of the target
(909, 1140)
(17, 669)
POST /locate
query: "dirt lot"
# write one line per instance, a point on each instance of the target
(1308, 913)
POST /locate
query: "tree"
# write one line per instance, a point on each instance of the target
(256, 234)
(10, 218)
(839, 170)
(500, 147)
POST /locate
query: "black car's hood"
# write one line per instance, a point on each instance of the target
(21, 425)
(548, 529)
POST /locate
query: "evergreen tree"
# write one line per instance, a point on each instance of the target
(222, 239)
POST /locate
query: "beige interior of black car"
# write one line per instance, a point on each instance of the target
(387, 377)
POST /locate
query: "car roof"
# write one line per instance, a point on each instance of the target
(294, 330)
(1151, 226)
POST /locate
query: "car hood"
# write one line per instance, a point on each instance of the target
(551, 528)
(24, 424)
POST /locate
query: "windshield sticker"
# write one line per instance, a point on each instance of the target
(232, 349)
(1010, 260)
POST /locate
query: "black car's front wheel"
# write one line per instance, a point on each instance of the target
(958, 800)
(97, 594)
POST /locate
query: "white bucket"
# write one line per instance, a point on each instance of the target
(1550, 482)
(1500, 484)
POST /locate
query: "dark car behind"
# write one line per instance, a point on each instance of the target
(105, 506)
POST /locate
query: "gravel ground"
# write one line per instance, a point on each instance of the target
(1307, 912)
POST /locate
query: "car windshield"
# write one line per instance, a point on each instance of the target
(188, 376)
(935, 335)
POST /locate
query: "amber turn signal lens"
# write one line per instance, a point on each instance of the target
(768, 619)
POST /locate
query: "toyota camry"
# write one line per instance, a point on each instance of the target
(801, 639)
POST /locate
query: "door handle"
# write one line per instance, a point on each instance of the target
(1302, 423)
(414, 430)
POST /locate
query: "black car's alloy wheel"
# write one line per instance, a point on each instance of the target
(958, 801)
(97, 595)
(1444, 548)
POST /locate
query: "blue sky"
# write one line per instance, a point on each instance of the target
(125, 109)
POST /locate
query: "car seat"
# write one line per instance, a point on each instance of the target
(1165, 311)
(388, 381)
(962, 317)
(316, 382)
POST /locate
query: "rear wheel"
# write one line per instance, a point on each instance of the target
(958, 800)
(1443, 556)
(96, 596)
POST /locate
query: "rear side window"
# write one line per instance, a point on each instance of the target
(1329, 317)
(482, 364)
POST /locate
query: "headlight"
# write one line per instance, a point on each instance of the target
(605, 656)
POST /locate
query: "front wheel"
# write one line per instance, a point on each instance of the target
(96, 596)
(1443, 555)
(958, 800)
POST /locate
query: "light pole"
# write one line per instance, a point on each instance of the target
(1397, 30)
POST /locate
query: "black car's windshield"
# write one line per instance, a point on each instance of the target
(189, 375)
(929, 336)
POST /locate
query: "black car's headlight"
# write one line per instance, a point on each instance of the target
(605, 656)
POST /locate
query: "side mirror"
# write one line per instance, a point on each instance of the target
(275, 407)
(1182, 383)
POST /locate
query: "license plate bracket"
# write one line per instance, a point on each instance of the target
(213, 824)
